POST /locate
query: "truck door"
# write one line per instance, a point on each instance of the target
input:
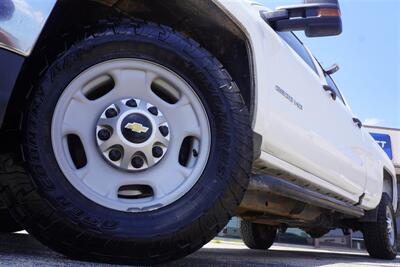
(309, 127)
(348, 139)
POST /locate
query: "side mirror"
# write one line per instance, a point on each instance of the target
(316, 17)
(332, 69)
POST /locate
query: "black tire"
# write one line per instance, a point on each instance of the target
(376, 236)
(257, 236)
(54, 212)
(7, 222)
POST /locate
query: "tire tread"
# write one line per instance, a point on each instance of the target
(375, 236)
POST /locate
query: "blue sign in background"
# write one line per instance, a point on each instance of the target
(385, 142)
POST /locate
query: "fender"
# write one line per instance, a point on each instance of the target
(204, 21)
(20, 27)
(10, 67)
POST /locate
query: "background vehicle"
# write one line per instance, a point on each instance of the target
(133, 132)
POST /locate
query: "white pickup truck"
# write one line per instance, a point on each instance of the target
(133, 130)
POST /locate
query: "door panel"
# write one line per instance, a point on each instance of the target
(310, 130)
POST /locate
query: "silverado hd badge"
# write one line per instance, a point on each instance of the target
(288, 97)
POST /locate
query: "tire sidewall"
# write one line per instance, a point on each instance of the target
(388, 203)
(85, 214)
(376, 236)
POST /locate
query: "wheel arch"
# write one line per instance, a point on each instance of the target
(206, 23)
(203, 21)
(390, 186)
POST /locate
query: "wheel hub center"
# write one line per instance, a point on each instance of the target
(136, 128)
(132, 135)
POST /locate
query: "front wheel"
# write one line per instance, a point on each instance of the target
(138, 146)
(381, 236)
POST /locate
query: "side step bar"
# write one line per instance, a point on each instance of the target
(278, 186)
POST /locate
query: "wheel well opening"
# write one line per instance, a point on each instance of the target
(388, 183)
(202, 21)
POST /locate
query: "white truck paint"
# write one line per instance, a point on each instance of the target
(318, 143)
(304, 132)
(334, 169)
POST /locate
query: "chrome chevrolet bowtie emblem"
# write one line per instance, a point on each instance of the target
(137, 128)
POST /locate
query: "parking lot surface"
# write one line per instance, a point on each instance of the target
(23, 250)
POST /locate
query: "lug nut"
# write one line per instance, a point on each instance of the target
(137, 162)
(153, 110)
(104, 135)
(132, 103)
(115, 155)
(157, 152)
(111, 113)
(164, 130)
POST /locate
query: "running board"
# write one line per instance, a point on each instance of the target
(283, 188)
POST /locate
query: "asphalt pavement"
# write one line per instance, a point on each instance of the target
(23, 250)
